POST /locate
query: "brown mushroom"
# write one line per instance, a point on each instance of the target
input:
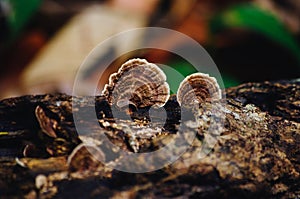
(198, 88)
(139, 83)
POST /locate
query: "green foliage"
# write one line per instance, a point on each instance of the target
(19, 12)
(250, 16)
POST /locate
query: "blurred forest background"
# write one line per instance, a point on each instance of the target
(43, 42)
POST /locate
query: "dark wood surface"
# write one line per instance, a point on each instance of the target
(256, 154)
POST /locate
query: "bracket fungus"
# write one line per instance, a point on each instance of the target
(198, 88)
(47, 125)
(86, 157)
(139, 83)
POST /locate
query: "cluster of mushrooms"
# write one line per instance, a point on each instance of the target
(143, 84)
(138, 83)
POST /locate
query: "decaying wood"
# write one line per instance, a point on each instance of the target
(257, 152)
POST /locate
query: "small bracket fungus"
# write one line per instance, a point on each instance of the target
(47, 124)
(139, 83)
(198, 88)
(86, 157)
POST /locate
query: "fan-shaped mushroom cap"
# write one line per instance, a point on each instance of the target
(198, 88)
(86, 157)
(137, 82)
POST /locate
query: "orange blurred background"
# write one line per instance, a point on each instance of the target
(248, 40)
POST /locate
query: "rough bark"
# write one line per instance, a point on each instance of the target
(256, 154)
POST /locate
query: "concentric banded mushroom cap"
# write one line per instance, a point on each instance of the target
(137, 82)
(86, 156)
(198, 88)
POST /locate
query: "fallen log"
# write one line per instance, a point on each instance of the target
(252, 147)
